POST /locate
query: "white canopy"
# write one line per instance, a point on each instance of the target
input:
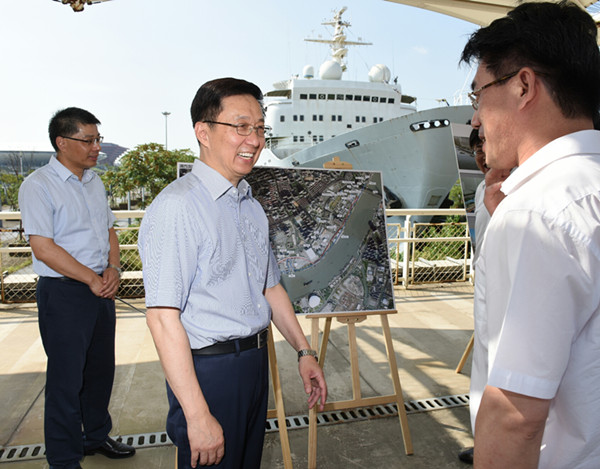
(481, 12)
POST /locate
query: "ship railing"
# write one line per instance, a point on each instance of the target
(420, 252)
(425, 250)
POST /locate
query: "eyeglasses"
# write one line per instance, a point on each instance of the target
(474, 95)
(245, 129)
(91, 141)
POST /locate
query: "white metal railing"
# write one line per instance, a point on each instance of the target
(409, 264)
(408, 267)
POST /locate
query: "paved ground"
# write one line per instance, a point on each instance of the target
(430, 332)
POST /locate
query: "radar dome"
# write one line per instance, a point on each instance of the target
(330, 70)
(379, 74)
(308, 72)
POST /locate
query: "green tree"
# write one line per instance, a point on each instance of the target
(148, 166)
(10, 189)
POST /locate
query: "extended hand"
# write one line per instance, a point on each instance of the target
(314, 381)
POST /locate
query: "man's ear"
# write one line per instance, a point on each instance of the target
(529, 84)
(201, 131)
(60, 143)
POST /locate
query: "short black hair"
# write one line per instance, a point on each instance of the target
(474, 138)
(208, 102)
(557, 40)
(66, 122)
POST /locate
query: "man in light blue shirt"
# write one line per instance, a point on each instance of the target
(212, 288)
(76, 255)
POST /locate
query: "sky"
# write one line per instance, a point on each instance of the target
(128, 61)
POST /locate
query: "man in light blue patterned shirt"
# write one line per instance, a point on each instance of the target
(212, 288)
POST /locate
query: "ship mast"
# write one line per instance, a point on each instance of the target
(338, 43)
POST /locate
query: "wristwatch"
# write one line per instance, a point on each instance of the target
(307, 351)
(116, 267)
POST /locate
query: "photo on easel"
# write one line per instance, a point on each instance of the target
(328, 233)
(470, 175)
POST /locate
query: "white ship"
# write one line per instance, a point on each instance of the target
(369, 125)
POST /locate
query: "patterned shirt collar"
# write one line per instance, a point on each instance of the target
(217, 185)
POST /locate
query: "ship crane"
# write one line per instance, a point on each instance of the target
(338, 42)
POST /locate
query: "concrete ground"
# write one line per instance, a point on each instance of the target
(430, 332)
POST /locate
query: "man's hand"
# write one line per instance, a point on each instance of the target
(207, 443)
(314, 381)
(493, 181)
(110, 283)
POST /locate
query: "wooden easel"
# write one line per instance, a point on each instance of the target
(465, 354)
(351, 319)
(279, 410)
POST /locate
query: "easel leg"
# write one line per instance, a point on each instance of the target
(312, 413)
(389, 345)
(279, 407)
(465, 354)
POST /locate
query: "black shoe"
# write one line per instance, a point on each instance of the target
(112, 449)
(466, 455)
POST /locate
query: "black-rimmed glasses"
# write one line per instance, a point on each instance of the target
(90, 141)
(474, 95)
(245, 129)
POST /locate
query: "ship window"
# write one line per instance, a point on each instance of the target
(381, 119)
(314, 117)
(312, 96)
(301, 117)
(382, 100)
(321, 96)
(282, 118)
(367, 98)
(374, 99)
(320, 138)
(333, 118)
(363, 119)
(320, 117)
(391, 100)
(340, 118)
(339, 97)
(295, 118)
(303, 96)
(348, 97)
(295, 138)
(330, 96)
(301, 138)
(374, 120)
(357, 118)
(314, 138)
(349, 126)
(357, 97)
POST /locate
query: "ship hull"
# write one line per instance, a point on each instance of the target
(418, 166)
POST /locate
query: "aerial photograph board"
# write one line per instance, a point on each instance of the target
(328, 232)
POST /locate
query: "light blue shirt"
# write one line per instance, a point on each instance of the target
(55, 204)
(205, 250)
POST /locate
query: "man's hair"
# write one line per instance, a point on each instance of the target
(557, 40)
(67, 121)
(208, 102)
(474, 138)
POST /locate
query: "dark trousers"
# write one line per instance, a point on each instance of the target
(236, 388)
(78, 333)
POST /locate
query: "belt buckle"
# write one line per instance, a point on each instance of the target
(258, 339)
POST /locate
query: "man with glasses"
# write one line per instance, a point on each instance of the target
(212, 288)
(535, 381)
(69, 225)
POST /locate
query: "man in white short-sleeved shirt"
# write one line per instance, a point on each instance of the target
(535, 384)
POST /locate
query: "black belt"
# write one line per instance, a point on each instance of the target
(236, 345)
